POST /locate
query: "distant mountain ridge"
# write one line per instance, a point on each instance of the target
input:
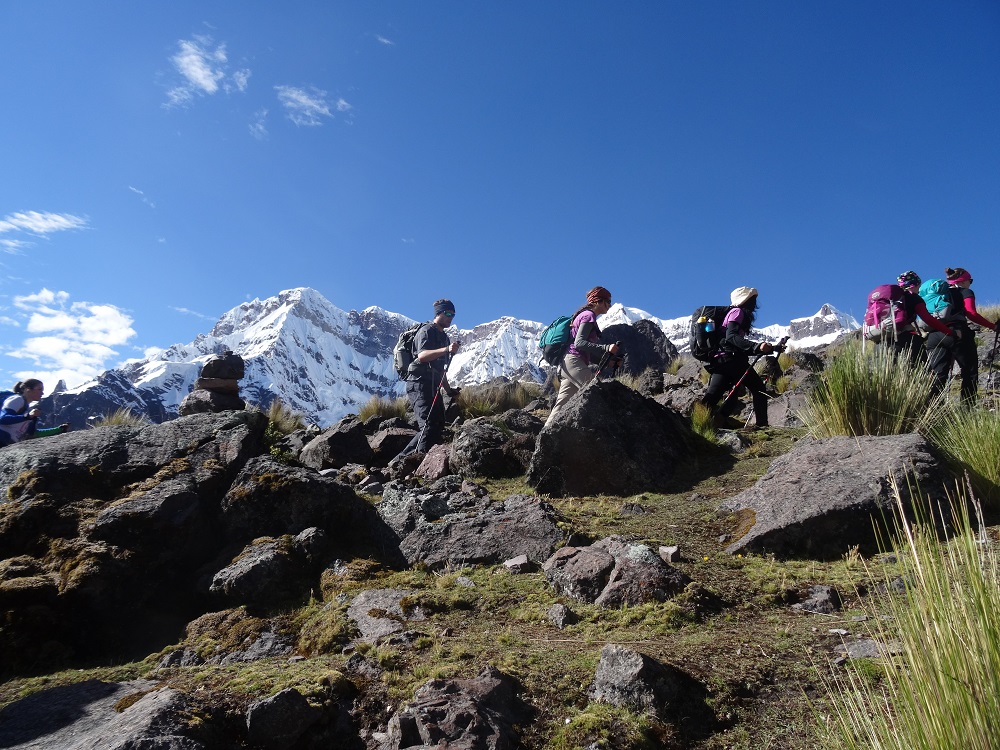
(325, 362)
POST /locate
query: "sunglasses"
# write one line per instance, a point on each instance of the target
(449, 315)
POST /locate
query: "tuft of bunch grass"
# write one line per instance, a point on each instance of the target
(969, 437)
(943, 690)
(283, 419)
(488, 400)
(122, 417)
(869, 391)
(702, 421)
(383, 407)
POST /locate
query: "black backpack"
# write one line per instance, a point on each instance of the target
(706, 331)
(402, 352)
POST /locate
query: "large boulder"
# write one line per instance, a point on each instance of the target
(482, 449)
(269, 498)
(643, 346)
(111, 716)
(91, 511)
(456, 523)
(825, 496)
(344, 443)
(608, 439)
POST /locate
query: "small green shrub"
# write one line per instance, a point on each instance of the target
(122, 417)
(383, 407)
(785, 361)
(869, 391)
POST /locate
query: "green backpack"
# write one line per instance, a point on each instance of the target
(555, 340)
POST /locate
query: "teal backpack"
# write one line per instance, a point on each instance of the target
(941, 300)
(555, 340)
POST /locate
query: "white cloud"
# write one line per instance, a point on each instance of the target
(383, 40)
(142, 196)
(12, 247)
(304, 107)
(72, 341)
(195, 313)
(202, 66)
(258, 128)
(4, 320)
(40, 222)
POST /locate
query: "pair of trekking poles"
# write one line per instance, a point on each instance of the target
(779, 347)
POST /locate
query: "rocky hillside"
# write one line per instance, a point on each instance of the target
(204, 584)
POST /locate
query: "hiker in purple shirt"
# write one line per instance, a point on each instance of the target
(575, 370)
(731, 364)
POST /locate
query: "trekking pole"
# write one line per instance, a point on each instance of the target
(604, 360)
(779, 347)
(437, 392)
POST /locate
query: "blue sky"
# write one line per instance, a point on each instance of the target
(164, 162)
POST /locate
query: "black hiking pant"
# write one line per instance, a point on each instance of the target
(428, 411)
(910, 345)
(943, 352)
(724, 376)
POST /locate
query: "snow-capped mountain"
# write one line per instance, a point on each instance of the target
(325, 362)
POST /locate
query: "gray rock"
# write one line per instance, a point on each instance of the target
(824, 600)
(628, 679)
(608, 439)
(824, 496)
(435, 464)
(84, 716)
(465, 714)
(482, 449)
(613, 573)
(209, 402)
(562, 616)
(379, 613)
(446, 524)
(278, 721)
(342, 444)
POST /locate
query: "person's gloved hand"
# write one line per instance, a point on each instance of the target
(453, 392)
(765, 347)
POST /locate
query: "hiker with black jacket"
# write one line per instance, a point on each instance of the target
(908, 339)
(943, 353)
(575, 369)
(731, 364)
(427, 376)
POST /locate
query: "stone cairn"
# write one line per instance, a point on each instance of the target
(217, 388)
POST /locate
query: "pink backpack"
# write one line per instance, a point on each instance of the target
(885, 314)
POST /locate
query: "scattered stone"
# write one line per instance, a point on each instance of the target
(519, 565)
(561, 616)
(824, 600)
(670, 554)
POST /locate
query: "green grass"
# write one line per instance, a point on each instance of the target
(865, 390)
(969, 438)
(283, 418)
(943, 691)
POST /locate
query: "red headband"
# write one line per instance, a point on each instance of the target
(597, 294)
